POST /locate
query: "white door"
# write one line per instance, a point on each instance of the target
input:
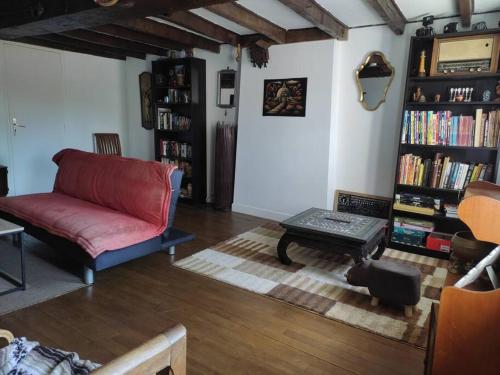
(33, 85)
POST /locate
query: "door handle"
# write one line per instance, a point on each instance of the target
(15, 125)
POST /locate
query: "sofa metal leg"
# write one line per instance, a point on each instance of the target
(171, 250)
(88, 275)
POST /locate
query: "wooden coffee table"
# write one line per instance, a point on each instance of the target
(10, 229)
(362, 237)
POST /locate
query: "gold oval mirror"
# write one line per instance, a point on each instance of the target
(374, 77)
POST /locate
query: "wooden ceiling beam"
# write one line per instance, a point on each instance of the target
(70, 42)
(250, 20)
(465, 9)
(173, 33)
(306, 35)
(64, 47)
(199, 24)
(319, 17)
(29, 18)
(390, 13)
(152, 40)
(113, 42)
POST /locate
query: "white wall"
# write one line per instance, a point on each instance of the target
(94, 101)
(282, 163)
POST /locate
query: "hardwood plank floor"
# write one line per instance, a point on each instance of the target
(230, 331)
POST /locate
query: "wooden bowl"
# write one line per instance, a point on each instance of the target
(466, 247)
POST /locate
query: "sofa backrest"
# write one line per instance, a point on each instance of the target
(139, 188)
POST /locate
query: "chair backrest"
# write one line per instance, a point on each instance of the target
(468, 333)
(108, 144)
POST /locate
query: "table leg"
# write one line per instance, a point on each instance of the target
(380, 250)
(23, 262)
(282, 246)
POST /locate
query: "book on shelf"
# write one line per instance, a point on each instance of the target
(419, 204)
(414, 224)
(450, 210)
(167, 120)
(173, 149)
(444, 128)
(441, 172)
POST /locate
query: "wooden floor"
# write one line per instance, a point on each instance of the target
(230, 331)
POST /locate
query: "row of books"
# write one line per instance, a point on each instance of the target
(420, 233)
(175, 149)
(442, 172)
(184, 166)
(443, 128)
(172, 121)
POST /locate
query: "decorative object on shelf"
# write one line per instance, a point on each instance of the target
(225, 161)
(226, 88)
(437, 98)
(497, 92)
(374, 77)
(450, 28)
(427, 31)
(146, 102)
(465, 54)
(160, 79)
(418, 95)
(421, 65)
(461, 94)
(479, 26)
(486, 97)
(285, 97)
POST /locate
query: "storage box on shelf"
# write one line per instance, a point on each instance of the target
(180, 130)
(444, 145)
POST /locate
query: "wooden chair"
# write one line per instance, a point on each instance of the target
(165, 351)
(464, 335)
(108, 144)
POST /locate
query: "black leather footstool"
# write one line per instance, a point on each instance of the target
(388, 281)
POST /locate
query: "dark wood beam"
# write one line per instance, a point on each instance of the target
(201, 25)
(465, 8)
(306, 35)
(390, 13)
(28, 18)
(113, 42)
(292, 36)
(152, 40)
(63, 40)
(319, 17)
(173, 33)
(64, 47)
(250, 20)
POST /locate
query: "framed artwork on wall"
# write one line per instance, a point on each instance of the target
(285, 97)
(146, 103)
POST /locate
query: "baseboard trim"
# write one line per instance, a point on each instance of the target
(260, 212)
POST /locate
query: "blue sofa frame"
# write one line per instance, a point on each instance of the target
(167, 241)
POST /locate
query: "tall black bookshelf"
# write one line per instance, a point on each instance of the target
(179, 98)
(432, 85)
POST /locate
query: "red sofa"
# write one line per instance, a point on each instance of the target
(104, 209)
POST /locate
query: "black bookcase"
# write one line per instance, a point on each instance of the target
(179, 98)
(432, 85)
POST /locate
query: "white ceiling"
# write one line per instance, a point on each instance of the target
(351, 12)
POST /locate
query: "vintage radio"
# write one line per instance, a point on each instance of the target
(465, 55)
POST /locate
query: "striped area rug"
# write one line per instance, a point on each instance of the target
(315, 281)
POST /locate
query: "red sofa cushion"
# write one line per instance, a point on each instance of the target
(93, 227)
(135, 187)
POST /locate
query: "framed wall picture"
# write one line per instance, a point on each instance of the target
(285, 97)
(145, 84)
